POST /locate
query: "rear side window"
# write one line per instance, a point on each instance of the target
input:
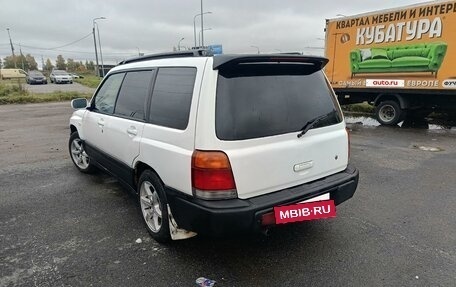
(107, 94)
(172, 97)
(133, 94)
(260, 100)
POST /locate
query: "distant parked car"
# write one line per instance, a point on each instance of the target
(76, 76)
(36, 77)
(60, 76)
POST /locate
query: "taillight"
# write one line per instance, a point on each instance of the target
(348, 136)
(212, 177)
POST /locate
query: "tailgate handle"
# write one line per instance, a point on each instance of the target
(303, 166)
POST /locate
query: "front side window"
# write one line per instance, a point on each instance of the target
(133, 94)
(172, 96)
(256, 100)
(105, 99)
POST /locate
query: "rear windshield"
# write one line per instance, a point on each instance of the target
(260, 100)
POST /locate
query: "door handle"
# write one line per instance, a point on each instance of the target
(101, 123)
(132, 131)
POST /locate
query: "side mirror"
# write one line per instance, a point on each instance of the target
(79, 103)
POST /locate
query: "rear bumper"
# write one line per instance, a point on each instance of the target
(37, 81)
(244, 215)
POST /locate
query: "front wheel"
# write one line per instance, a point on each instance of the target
(153, 204)
(389, 113)
(78, 154)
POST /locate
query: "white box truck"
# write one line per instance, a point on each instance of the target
(12, 74)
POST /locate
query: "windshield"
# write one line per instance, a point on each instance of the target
(256, 100)
(35, 73)
(60, 72)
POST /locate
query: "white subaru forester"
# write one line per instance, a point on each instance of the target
(218, 144)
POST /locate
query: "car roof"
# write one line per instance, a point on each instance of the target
(226, 60)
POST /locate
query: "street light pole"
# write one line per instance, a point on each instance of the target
(179, 44)
(258, 48)
(95, 43)
(202, 25)
(194, 24)
(200, 36)
(12, 48)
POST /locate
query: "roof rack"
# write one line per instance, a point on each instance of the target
(178, 54)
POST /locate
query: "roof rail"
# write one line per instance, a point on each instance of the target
(178, 54)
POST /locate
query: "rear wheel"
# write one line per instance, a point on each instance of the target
(389, 113)
(78, 154)
(153, 204)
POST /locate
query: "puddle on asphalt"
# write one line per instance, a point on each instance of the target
(428, 124)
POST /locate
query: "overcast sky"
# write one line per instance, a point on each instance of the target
(157, 26)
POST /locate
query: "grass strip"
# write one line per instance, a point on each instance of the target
(25, 98)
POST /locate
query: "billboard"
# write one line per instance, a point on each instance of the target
(216, 49)
(412, 47)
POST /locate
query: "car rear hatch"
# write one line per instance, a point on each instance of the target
(262, 105)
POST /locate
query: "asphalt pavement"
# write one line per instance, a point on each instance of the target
(59, 227)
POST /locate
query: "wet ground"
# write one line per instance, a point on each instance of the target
(430, 123)
(59, 227)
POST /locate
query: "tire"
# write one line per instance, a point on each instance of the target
(389, 113)
(153, 206)
(78, 155)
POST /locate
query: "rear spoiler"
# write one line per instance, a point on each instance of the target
(230, 60)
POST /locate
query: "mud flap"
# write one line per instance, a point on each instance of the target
(176, 232)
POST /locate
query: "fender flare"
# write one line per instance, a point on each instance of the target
(403, 102)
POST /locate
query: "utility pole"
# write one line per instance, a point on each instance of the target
(101, 54)
(12, 48)
(95, 44)
(42, 63)
(22, 57)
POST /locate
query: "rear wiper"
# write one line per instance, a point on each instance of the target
(310, 124)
